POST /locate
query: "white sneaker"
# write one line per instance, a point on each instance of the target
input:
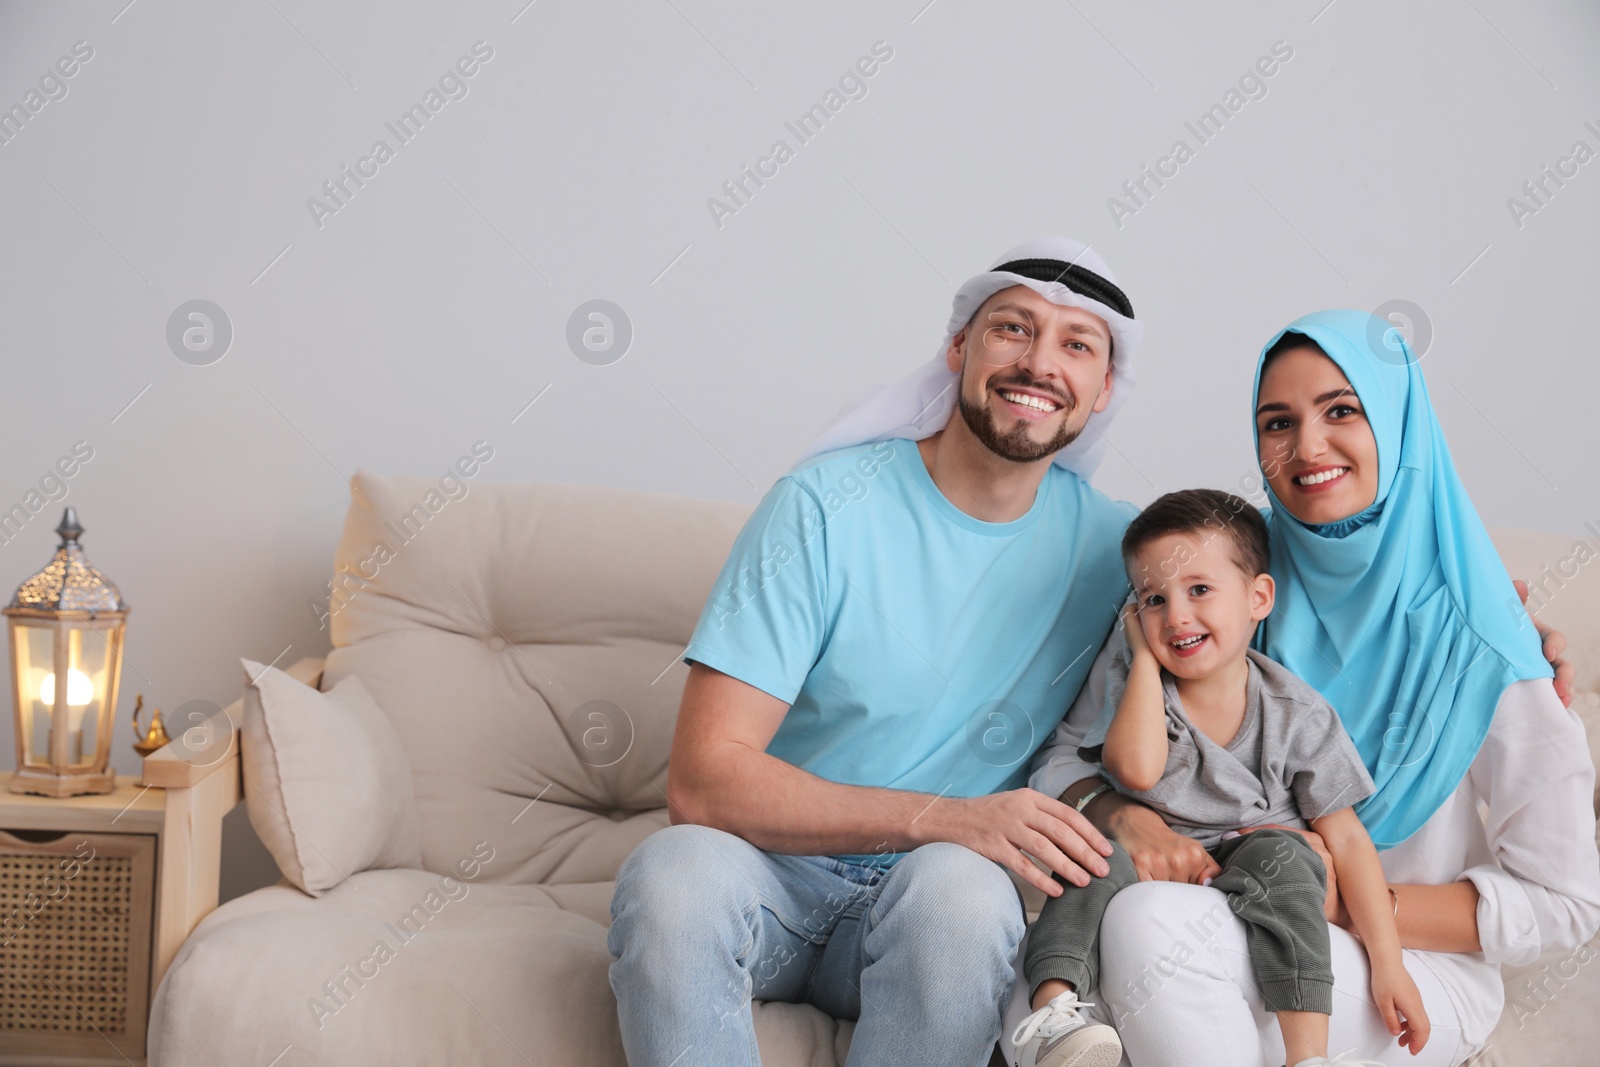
(1057, 1036)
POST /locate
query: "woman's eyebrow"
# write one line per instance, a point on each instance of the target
(1323, 399)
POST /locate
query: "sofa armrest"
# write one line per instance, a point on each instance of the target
(203, 782)
(202, 749)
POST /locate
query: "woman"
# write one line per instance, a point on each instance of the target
(1393, 603)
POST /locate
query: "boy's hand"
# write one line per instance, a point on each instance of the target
(1401, 1004)
(1135, 632)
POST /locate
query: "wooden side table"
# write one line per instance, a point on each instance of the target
(97, 893)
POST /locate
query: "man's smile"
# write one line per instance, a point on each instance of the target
(1028, 404)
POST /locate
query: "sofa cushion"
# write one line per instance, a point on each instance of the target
(1550, 1004)
(1587, 707)
(524, 641)
(798, 1035)
(403, 968)
(327, 784)
(1549, 1014)
(471, 972)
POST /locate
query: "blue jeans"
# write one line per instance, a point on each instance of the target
(702, 922)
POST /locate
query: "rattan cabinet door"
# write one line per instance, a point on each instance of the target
(75, 917)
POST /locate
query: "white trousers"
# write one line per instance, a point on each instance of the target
(1176, 982)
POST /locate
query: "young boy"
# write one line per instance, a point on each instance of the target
(1216, 736)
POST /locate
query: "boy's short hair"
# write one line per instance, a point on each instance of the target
(1210, 510)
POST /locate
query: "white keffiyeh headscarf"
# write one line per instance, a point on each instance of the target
(1061, 270)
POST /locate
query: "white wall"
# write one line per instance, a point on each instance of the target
(429, 310)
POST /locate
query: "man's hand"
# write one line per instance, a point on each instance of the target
(1554, 643)
(1159, 853)
(1004, 826)
(1332, 906)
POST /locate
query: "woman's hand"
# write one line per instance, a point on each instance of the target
(1159, 853)
(1332, 907)
(1553, 644)
(1397, 998)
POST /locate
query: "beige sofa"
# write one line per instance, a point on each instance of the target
(524, 642)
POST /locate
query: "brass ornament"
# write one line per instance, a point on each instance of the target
(146, 742)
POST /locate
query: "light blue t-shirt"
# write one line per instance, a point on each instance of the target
(918, 647)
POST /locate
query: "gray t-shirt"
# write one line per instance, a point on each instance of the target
(1290, 762)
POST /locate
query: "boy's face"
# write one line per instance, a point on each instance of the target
(1197, 608)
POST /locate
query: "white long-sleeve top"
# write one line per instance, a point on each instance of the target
(1531, 852)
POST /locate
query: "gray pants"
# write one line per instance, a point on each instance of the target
(1275, 882)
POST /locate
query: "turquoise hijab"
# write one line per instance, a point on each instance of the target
(1402, 616)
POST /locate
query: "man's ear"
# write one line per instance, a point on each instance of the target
(1105, 390)
(952, 355)
(1263, 594)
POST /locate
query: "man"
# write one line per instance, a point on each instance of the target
(897, 628)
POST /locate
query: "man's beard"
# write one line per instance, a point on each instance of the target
(1017, 445)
